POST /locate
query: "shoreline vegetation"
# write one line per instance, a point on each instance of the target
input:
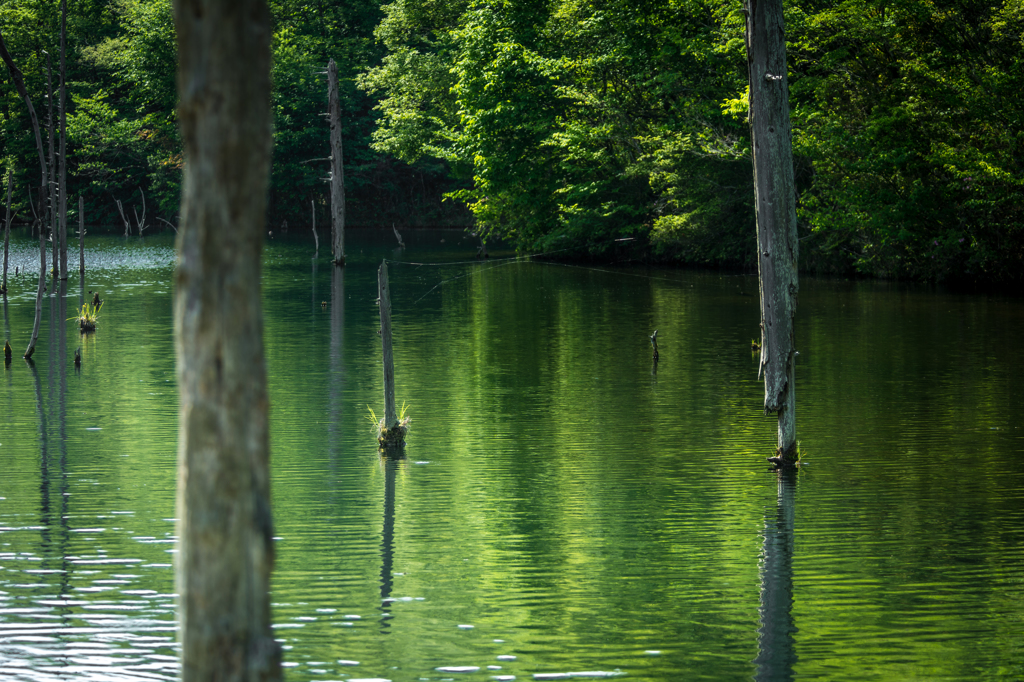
(598, 131)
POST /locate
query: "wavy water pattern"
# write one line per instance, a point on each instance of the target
(566, 508)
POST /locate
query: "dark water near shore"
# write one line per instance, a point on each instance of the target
(564, 508)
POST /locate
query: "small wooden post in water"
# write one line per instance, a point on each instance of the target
(391, 432)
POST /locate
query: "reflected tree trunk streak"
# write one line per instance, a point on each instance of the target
(387, 541)
(337, 364)
(44, 461)
(775, 637)
(62, 413)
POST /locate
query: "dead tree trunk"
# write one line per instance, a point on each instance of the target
(7, 229)
(337, 168)
(81, 235)
(51, 170)
(775, 195)
(225, 525)
(384, 296)
(392, 431)
(63, 182)
(19, 83)
(39, 290)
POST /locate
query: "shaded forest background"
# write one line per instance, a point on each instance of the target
(576, 125)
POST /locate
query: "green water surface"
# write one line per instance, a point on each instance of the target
(565, 506)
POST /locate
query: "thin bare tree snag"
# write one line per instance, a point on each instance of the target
(39, 290)
(127, 225)
(392, 427)
(337, 168)
(81, 235)
(775, 193)
(7, 228)
(51, 168)
(225, 525)
(316, 237)
(19, 83)
(63, 180)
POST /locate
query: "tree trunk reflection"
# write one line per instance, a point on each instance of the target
(776, 656)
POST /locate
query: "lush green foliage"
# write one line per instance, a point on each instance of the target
(587, 127)
(909, 114)
(583, 121)
(579, 123)
(122, 130)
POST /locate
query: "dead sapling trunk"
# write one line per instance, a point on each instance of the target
(127, 225)
(141, 222)
(775, 201)
(81, 235)
(63, 172)
(392, 427)
(316, 237)
(337, 168)
(51, 168)
(19, 83)
(7, 229)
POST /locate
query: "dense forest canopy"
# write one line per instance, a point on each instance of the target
(595, 128)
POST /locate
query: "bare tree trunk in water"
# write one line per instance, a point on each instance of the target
(337, 168)
(63, 180)
(225, 527)
(775, 193)
(51, 170)
(19, 83)
(81, 235)
(41, 288)
(7, 228)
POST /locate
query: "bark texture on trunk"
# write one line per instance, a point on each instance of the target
(337, 168)
(775, 193)
(225, 526)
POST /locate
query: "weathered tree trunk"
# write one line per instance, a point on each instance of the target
(81, 235)
(7, 228)
(39, 290)
(51, 166)
(19, 83)
(225, 525)
(775, 194)
(384, 293)
(63, 182)
(337, 168)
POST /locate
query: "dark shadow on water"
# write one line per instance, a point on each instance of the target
(776, 656)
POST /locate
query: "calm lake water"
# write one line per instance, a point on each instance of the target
(564, 509)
